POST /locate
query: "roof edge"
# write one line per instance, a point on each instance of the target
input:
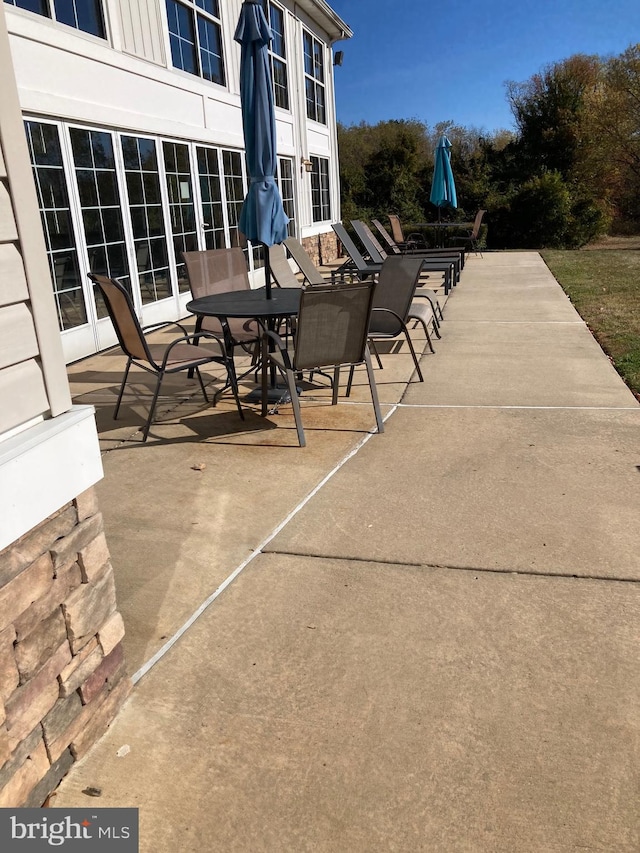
(329, 20)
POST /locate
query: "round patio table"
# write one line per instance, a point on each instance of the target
(284, 302)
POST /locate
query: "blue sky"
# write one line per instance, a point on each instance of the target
(438, 61)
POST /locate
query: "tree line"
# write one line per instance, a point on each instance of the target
(569, 172)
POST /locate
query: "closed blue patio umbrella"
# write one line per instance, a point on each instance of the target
(262, 219)
(443, 186)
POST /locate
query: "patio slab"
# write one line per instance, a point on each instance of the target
(327, 705)
(550, 492)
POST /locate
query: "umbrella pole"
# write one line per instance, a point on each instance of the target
(267, 271)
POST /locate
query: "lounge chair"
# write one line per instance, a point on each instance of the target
(281, 272)
(331, 330)
(311, 273)
(356, 264)
(394, 248)
(160, 359)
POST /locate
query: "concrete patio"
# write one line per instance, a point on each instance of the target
(425, 640)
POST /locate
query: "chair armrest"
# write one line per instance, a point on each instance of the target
(193, 339)
(163, 325)
(284, 352)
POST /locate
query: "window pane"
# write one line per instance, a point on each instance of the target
(145, 208)
(48, 172)
(182, 37)
(210, 50)
(182, 211)
(40, 7)
(89, 17)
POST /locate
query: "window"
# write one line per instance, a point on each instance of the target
(285, 182)
(95, 169)
(320, 202)
(314, 78)
(181, 206)
(235, 192)
(147, 222)
(85, 15)
(195, 38)
(278, 55)
(53, 200)
(211, 196)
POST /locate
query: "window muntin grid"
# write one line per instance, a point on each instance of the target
(142, 177)
(96, 178)
(195, 38)
(181, 205)
(287, 191)
(278, 54)
(320, 195)
(235, 192)
(314, 78)
(211, 197)
(53, 198)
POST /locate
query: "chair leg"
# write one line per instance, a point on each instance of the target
(426, 333)
(154, 402)
(295, 402)
(374, 390)
(336, 383)
(372, 344)
(413, 354)
(124, 381)
(204, 390)
(233, 381)
(350, 380)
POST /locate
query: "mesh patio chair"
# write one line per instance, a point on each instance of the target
(471, 239)
(392, 302)
(445, 266)
(159, 359)
(331, 330)
(311, 273)
(412, 241)
(216, 271)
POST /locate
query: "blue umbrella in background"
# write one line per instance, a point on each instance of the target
(443, 186)
(262, 219)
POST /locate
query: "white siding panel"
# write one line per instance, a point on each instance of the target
(22, 394)
(18, 340)
(13, 283)
(7, 220)
(141, 29)
(91, 91)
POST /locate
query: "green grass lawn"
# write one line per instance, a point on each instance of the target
(604, 286)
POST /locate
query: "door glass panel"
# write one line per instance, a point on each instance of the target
(48, 171)
(234, 189)
(145, 208)
(181, 206)
(211, 194)
(101, 210)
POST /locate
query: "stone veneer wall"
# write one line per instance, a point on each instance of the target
(322, 248)
(62, 669)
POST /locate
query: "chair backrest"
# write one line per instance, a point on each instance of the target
(390, 243)
(123, 316)
(282, 273)
(216, 270)
(304, 262)
(476, 224)
(396, 228)
(352, 250)
(397, 283)
(333, 324)
(370, 242)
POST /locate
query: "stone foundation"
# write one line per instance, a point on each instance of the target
(62, 669)
(322, 248)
